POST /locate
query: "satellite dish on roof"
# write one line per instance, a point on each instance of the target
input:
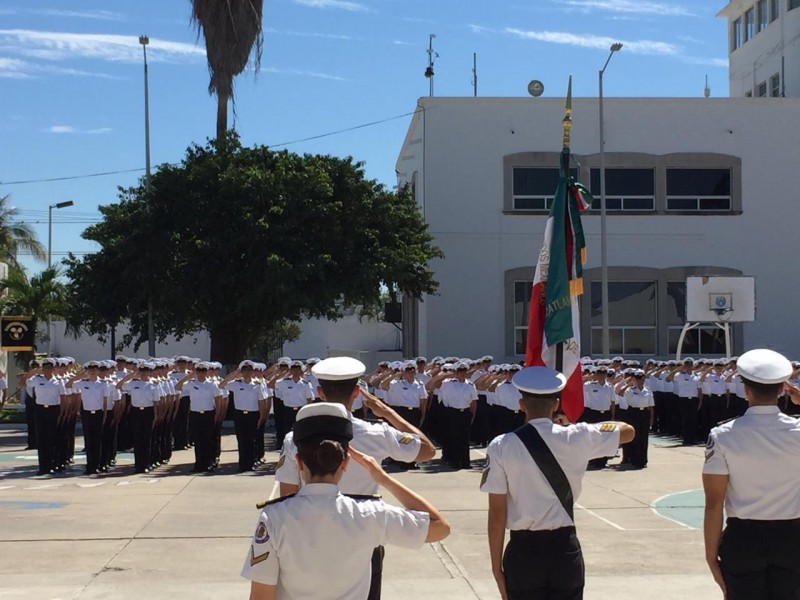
(535, 88)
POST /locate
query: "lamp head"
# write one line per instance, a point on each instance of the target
(64, 204)
(144, 40)
(616, 47)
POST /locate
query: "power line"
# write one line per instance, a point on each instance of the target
(270, 146)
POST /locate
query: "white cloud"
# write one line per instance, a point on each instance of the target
(480, 29)
(50, 45)
(69, 129)
(630, 6)
(342, 4)
(304, 74)
(401, 43)
(649, 47)
(13, 68)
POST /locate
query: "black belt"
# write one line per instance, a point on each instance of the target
(91, 412)
(142, 407)
(458, 409)
(527, 533)
(245, 412)
(639, 407)
(46, 405)
(201, 412)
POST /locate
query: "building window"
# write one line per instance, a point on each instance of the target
(748, 94)
(522, 301)
(699, 189)
(775, 86)
(774, 9)
(736, 34)
(749, 25)
(761, 90)
(534, 187)
(702, 340)
(763, 15)
(793, 4)
(626, 189)
(631, 317)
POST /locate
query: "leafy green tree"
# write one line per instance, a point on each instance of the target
(15, 236)
(41, 296)
(231, 29)
(238, 240)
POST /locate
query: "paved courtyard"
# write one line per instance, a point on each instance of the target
(179, 536)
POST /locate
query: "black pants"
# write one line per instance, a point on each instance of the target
(108, 451)
(46, 425)
(288, 417)
(246, 422)
(141, 420)
(181, 425)
(92, 438)
(544, 565)
(280, 428)
(760, 560)
(639, 418)
(689, 411)
(377, 574)
(202, 425)
(504, 420)
(30, 418)
(479, 433)
(457, 423)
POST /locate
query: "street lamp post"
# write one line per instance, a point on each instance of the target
(151, 333)
(50, 208)
(603, 251)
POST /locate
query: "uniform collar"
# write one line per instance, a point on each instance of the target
(318, 489)
(772, 409)
(541, 421)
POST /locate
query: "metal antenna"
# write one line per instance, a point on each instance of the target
(474, 75)
(431, 53)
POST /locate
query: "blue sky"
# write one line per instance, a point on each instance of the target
(72, 78)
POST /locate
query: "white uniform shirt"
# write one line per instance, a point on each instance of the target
(714, 385)
(318, 544)
(636, 398)
(402, 393)
(294, 393)
(665, 386)
(532, 504)
(48, 391)
(507, 396)
(620, 401)
(378, 440)
(202, 394)
(598, 396)
(735, 386)
(114, 395)
(685, 385)
(143, 393)
(759, 453)
(455, 394)
(422, 376)
(92, 393)
(312, 380)
(245, 395)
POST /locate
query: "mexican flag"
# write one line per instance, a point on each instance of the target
(553, 317)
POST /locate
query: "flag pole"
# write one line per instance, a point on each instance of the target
(566, 127)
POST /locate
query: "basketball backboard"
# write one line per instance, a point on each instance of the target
(720, 299)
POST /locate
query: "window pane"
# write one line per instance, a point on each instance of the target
(639, 203)
(715, 204)
(794, 4)
(676, 302)
(698, 182)
(775, 86)
(625, 182)
(530, 204)
(690, 344)
(614, 340)
(774, 10)
(520, 341)
(763, 14)
(535, 182)
(761, 90)
(522, 299)
(640, 341)
(681, 204)
(631, 303)
(736, 34)
(749, 25)
(712, 341)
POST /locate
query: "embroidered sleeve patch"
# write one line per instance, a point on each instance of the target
(254, 560)
(406, 439)
(280, 462)
(709, 455)
(484, 476)
(262, 535)
(606, 427)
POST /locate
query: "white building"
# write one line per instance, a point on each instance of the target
(694, 186)
(764, 47)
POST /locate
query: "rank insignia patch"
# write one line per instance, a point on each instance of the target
(407, 438)
(484, 476)
(280, 462)
(709, 455)
(261, 533)
(254, 560)
(606, 427)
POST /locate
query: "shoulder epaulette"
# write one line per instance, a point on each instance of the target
(260, 505)
(364, 496)
(726, 421)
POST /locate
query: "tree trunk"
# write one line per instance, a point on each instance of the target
(222, 115)
(227, 344)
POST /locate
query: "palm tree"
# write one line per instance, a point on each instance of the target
(42, 297)
(230, 29)
(16, 236)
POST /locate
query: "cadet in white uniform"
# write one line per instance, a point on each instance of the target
(686, 386)
(318, 543)
(459, 397)
(751, 469)
(250, 412)
(397, 439)
(94, 406)
(641, 413)
(205, 401)
(543, 558)
(294, 393)
(144, 396)
(49, 392)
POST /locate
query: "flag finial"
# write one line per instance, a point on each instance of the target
(566, 123)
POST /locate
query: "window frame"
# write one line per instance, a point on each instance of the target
(610, 195)
(775, 86)
(749, 30)
(762, 15)
(700, 197)
(774, 10)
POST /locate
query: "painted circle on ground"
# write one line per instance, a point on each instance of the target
(30, 505)
(685, 508)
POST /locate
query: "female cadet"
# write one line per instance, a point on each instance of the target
(318, 543)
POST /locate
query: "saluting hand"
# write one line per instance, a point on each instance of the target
(793, 392)
(371, 465)
(378, 408)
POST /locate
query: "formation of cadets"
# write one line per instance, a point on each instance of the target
(159, 405)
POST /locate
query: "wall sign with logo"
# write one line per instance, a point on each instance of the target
(17, 334)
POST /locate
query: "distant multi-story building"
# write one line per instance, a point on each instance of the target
(764, 47)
